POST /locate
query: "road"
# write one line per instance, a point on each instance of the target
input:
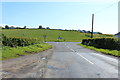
(72, 61)
(65, 60)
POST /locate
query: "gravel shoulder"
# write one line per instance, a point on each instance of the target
(28, 66)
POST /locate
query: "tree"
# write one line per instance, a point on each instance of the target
(99, 33)
(40, 27)
(66, 30)
(25, 27)
(47, 28)
(17, 28)
(6, 27)
(3, 28)
(89, 32)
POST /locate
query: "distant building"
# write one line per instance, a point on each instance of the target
(117, 35)
(95, 32)
(11, 27)
(83, 31)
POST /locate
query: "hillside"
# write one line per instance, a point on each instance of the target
(51, 35)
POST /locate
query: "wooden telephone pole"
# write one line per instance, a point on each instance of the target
(92, 25)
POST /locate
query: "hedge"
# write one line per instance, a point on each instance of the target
(14, 42)
(104, 43)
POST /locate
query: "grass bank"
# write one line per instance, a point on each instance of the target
(105, 51)
(9, 52)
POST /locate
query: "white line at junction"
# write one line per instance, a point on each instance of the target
(67, 46)
(85, 58)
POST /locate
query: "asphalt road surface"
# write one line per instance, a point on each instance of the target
(64, 60)
(72, 61)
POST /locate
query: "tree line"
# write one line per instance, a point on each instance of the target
(25, 27)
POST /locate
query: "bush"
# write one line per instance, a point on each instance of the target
(105, 43)
(14, 42)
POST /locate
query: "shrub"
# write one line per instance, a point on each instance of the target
(105, 43)
(14, 42)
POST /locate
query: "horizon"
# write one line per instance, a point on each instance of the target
(49, 27)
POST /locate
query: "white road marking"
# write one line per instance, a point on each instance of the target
(85, 58)
(67, 46)
(72, 50)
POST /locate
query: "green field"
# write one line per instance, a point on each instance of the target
(51, 35)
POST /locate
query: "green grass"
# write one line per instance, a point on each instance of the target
(52, 35)
(8, 52)
(105, 51)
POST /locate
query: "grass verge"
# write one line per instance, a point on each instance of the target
(105, 51)
(8, 52)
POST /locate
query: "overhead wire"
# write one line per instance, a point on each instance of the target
(99, 11)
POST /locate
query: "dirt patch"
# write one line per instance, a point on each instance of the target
(27, 66)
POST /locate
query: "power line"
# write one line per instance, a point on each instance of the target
(105, 8)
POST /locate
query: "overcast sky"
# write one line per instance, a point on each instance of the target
(63, 15)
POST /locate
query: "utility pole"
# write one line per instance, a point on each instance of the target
(92, 25)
